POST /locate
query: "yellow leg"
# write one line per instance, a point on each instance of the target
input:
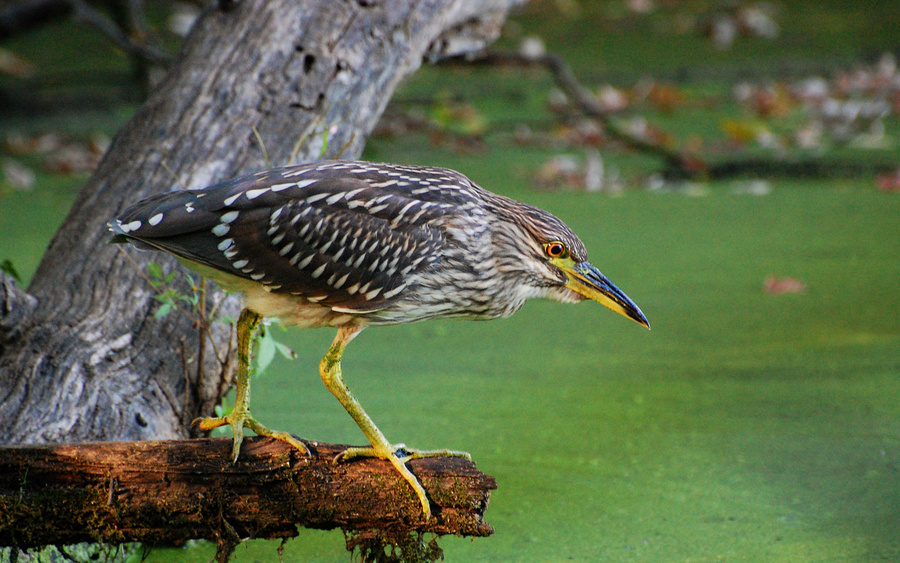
(240, 415)
(397, 455)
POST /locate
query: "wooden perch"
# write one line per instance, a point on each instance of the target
(166, 492)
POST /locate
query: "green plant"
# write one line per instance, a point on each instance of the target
(170, 297)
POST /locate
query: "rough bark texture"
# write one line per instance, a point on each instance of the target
(166, 492)
(81, 355)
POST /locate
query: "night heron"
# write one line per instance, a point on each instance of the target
(353, 244)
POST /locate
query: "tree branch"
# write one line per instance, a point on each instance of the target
(166, 492)
(682, 162)
(84, 12)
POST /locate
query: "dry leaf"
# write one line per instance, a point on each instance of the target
(780, 286)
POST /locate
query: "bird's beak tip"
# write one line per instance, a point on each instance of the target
(589, 282)
(630, 310)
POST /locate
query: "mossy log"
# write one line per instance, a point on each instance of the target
(167, 492)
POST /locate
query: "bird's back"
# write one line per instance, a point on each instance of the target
(332, 241)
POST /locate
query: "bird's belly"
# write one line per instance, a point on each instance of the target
(294, 311)
(289, 309)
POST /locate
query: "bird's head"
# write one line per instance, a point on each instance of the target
(557, 261)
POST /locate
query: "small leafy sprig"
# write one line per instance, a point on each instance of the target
(170, 297)
(267, 346)
(6, 266)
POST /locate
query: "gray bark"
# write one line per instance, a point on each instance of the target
(81, 355)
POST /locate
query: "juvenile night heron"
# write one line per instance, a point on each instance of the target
(353, 244)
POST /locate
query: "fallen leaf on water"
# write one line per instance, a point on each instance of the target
(890, 182)
(19, 176)
(780, 286)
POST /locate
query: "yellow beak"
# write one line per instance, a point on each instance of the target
(588, 281)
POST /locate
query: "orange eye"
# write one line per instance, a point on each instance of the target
(555, 249)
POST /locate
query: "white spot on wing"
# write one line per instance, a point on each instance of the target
(395, 291)
(253, 194)
(229, 217)
(316, 197)
(156, 219)
(220, 230)
(340, 283)
(284, 251)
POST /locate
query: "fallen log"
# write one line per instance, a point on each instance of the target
(167, 492)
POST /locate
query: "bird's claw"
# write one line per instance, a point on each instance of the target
(398, 455)
(238, 421)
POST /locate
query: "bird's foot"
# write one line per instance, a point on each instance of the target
(240, 420)
(398, 455)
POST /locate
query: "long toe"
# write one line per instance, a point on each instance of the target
(408, 453)
(261, 430)
(209, 423)
(398, 450)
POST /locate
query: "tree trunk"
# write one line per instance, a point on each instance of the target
(166, 492)
(82, 356)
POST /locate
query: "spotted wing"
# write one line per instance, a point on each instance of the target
(346, 235)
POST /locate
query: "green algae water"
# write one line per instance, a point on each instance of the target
(746, 426)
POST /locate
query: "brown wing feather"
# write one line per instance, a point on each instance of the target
(345, 235)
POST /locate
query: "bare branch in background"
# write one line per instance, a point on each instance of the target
(84, 12)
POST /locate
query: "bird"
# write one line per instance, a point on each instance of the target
(353, 244)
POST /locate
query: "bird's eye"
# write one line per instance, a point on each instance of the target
(555, 249)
